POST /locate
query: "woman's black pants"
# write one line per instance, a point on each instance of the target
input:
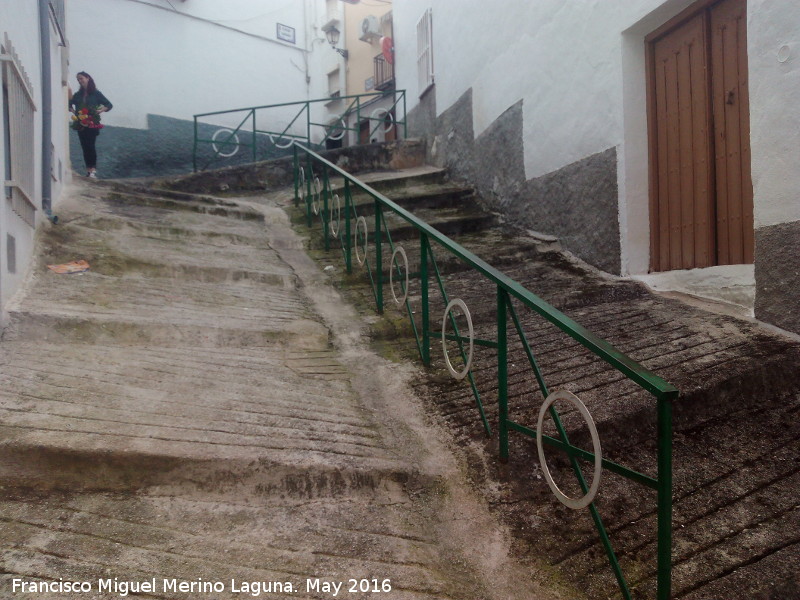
(88, 137)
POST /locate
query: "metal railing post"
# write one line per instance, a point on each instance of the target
(423, 281)
(308, 123)
(664, 576)
(296, 167)
(308, 190)
(194, 148)
(348, 209)
(378, 256)
(325, 194)
(358, 120)
(502, 371)
(255, 153)
(405, 117)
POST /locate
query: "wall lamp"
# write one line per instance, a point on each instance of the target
(333, 38)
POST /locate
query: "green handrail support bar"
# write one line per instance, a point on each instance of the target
(423, 279)
(279, 135)
(508, 292)
(475, 393)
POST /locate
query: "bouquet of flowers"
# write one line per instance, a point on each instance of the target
(87, 117)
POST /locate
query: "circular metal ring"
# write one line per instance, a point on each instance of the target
(302, 183)
(214, 142)
(280, 137)
(574, 503)
(277, 145)
(337, 204)
(342, 128)
(315, 196)
(463, 373)
(399, 250)
(361, 221)
(382, 112)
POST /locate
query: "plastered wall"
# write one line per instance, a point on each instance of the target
(577, 71)
(564, 60)
(20, 20)
(161, 65)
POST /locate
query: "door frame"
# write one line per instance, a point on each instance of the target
(672, 24)
(633, 167)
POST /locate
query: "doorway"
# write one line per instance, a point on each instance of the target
(363, 132)
(701, 193)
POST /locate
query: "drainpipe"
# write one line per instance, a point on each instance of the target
(47, 110)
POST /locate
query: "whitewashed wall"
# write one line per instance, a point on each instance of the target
(774, 53)
(153, 58)
(21, 21)
(148, 59)
(578, 67)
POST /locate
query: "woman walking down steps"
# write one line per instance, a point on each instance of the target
(86, 105)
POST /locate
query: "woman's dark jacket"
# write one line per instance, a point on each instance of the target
(95, 98)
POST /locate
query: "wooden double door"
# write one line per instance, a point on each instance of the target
(701, 193)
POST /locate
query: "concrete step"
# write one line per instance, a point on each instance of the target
(449, 221)
(245, 540)
(218, 208)
(413, 198)
(396, 181)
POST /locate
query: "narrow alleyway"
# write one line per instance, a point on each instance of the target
(201, 407)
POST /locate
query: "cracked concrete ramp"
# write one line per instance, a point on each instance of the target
(199, 412)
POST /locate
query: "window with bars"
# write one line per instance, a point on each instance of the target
(425, 51)
(334, 84)
(18, 121)
(57, 15)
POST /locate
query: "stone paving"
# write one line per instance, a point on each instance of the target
(736, 440)
(200, 411)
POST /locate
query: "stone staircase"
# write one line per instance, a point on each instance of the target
(737, 432)
(180, 411)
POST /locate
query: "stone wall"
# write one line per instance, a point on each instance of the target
(777, 266)
(577, 203)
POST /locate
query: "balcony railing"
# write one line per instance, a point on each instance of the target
(384, 73)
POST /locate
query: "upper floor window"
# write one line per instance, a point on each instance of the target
(18, 143)
(334, 84)
(425, 51)
(57, 15)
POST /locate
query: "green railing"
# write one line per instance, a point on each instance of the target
(294, 126)
(342, 225)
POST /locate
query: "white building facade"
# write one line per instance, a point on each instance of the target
(161, 62)
(622, 128)
(33, 60)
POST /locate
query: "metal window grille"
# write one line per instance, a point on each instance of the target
(19, 122)
(425, 51)
(334, 84)
(384, 73)
(11, 253)
(57, 14)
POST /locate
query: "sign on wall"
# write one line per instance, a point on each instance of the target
(286, 33)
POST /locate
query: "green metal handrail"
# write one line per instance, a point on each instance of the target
(664, 393)
(283, 139)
